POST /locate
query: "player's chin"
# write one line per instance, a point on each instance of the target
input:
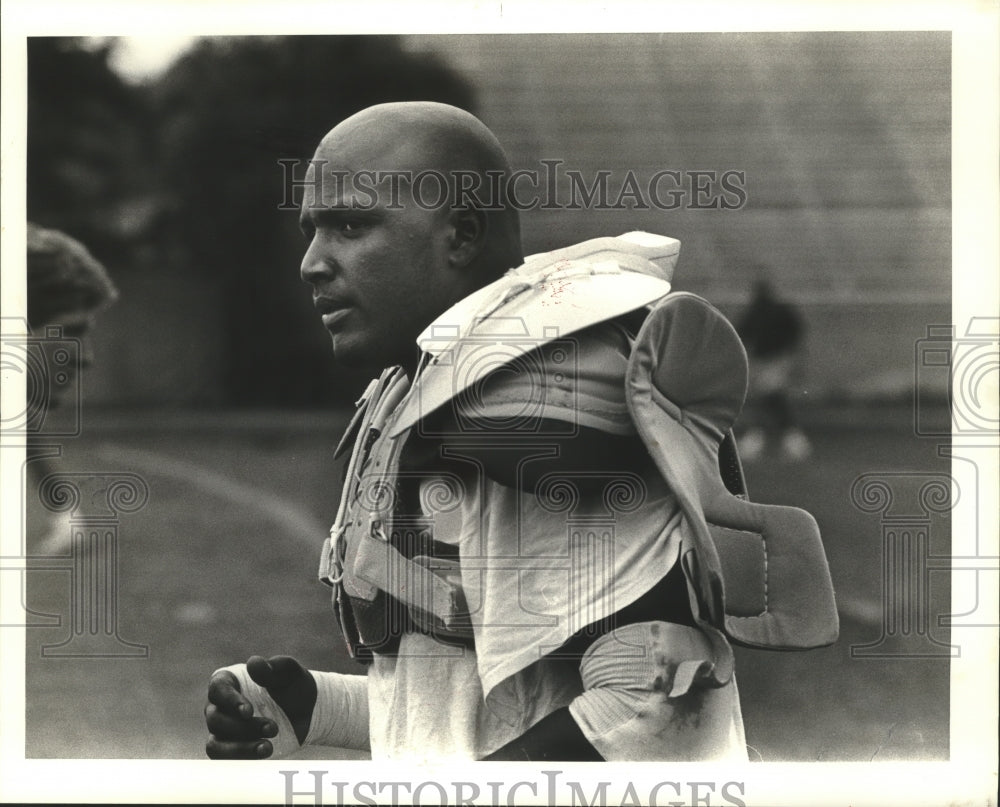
(358, 351)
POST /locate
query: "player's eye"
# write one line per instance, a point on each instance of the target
(352, 228)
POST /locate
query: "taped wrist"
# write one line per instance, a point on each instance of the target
(285, 742)
(649, 693)
(340, 717)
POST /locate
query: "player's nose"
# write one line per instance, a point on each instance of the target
(317, 264)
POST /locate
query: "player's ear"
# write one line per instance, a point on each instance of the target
(467, 236)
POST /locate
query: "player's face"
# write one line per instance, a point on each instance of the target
(378, 266)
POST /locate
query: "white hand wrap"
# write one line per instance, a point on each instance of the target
(340, 718)
(646, 697)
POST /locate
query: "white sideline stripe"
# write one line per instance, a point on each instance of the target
(288, 516)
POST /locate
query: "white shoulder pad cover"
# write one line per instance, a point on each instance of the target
(550, 296)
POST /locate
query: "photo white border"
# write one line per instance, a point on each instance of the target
(970, 776)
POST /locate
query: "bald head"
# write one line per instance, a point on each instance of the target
(417, 135)
(424, 138)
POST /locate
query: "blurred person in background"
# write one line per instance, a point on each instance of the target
(459, 663)
(67, 288)
(772, 332)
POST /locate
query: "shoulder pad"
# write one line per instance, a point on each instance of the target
(758, 571)
(351, 432)
(691, 355)
(550, 296)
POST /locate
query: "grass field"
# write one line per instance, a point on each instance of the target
(221, 561)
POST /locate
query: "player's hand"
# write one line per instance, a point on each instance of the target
(243, 720)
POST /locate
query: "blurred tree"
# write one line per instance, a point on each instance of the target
(226, 113)
(87, 149)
